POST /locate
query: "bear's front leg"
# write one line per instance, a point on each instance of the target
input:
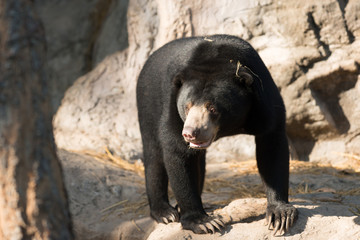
(184, 168)
(157, 189)
(272, 154)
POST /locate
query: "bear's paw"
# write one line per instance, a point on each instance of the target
(280, 217)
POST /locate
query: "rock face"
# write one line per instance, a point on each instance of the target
(312, 49)
(78, 37)
(107, 202)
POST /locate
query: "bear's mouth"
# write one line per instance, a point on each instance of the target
(200, 145)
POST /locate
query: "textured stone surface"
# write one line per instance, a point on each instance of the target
(78, 37)
(311, 48)
(312, 215)
(107, 202)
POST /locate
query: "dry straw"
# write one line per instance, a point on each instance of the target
(232, 188)
(108, 158)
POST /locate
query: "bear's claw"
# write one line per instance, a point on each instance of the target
(210, 227)
(205, 225)
(169, 219)
(280, 217)
(165, 215)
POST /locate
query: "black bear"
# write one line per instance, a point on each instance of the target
(191, 92)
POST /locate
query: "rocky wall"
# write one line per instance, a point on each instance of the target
(312, 50)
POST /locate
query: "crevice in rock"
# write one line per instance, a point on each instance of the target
(324, 49)
(97, 17)
(316, 29)
(342, 6)
(332, 112)
(326, 92)
(95, 105)
(192, 29)
(300, 148)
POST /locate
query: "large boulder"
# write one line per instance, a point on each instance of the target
(78, 37)
(312, 49)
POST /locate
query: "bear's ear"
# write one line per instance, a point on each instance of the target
(245, 78)
(178, 80)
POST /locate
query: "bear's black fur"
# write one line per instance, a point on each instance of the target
(221, 82)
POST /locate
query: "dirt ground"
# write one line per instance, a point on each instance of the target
(108, 201)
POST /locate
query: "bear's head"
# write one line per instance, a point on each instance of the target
(214, 100)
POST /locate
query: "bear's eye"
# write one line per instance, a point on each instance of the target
(212, 109)
(187, 108)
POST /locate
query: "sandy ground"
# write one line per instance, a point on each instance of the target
(109, 202)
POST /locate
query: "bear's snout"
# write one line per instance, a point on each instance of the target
(199, 130)
(190, 134)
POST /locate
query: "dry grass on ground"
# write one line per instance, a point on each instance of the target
(231, 187)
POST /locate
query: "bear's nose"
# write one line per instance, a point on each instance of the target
(190, 133)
